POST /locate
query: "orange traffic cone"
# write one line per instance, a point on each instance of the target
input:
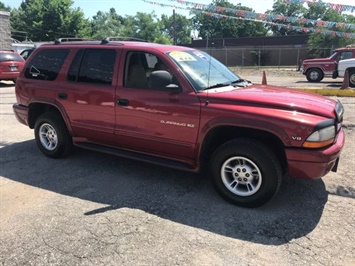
(345, 83)
(264, 81)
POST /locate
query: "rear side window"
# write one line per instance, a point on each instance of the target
(93, 66)
(10, 57)
(46, 64)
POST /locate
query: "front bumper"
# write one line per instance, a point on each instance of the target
(314, 164)
(21, 113)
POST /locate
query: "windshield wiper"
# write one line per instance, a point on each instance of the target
(218, 85)
(238, 81)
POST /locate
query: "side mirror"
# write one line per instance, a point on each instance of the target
(162, 80)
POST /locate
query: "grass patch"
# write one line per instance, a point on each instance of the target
(332, 92)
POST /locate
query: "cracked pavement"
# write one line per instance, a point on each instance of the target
(96, 209)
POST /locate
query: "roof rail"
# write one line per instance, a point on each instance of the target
(121, 38)
(58, 41)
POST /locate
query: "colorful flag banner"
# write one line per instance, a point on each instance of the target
(197, 11)
(268, 17)
(337, 7)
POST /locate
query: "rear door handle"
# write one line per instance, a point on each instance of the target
(123, 102)
(62, 95)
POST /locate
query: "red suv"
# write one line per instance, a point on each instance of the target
(11, 64)
(178, 107)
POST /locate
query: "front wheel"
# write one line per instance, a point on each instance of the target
(52, 136)
(314, 75)
(245, 172)
(352, 78)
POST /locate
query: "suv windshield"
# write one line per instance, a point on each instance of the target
(10, 57)
(202, 70)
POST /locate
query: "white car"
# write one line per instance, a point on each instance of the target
(346, 65)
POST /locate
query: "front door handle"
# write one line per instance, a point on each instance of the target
(123, 102)
(62, 95)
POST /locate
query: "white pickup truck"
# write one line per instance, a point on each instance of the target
(345, 65)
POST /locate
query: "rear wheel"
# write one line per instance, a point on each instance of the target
(352, 78)
(245, 172)
(52, 136)
(314, 75)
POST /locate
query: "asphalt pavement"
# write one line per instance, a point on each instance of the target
(96, 209)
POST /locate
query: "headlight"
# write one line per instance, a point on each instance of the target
(320, 138)
(339, 111)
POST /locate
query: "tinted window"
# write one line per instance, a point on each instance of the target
(10, 57)
(46, 64)
(74, 67)
(96, 66)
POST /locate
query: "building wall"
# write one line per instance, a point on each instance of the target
(273, 51)
(5, 32)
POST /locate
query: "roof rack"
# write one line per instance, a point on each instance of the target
(121, 38)
(350, 46)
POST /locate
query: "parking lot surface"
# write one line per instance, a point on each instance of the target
(96, 209)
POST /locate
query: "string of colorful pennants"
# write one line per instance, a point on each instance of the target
(268, 17)
(262, 18)
(337, 7)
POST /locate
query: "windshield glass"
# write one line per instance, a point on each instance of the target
(335, 53)
(202, 70)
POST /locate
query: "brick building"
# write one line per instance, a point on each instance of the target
(5, 32)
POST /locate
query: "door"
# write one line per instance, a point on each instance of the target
(162, 122)
(89, 94)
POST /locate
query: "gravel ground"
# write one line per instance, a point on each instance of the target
(288, 77)
(95, 209)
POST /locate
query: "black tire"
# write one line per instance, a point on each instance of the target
(314, 75)
(352, 78)
(254, 174)
(52, 136)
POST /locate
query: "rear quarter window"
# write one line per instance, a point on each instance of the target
(46, 64)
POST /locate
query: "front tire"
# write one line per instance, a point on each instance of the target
(52, 136)
(245, 172)
(314, 75)
(352, 78)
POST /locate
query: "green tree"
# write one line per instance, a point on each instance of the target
(286, 9)
(227, 28)
(106, 24)
(4, 8)
(144, 26)
(322, 44)
(183, 28)
(46, 20)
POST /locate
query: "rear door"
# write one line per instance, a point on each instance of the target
(91, 83)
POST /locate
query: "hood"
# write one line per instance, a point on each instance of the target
(317, 60)
(275, 97)
(350, 61)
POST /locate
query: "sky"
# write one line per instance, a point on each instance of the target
(131, 7)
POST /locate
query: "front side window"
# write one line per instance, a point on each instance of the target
(144, 70)
(202, 70)
(46, 64)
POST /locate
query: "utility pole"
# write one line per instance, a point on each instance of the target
(174, 26)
